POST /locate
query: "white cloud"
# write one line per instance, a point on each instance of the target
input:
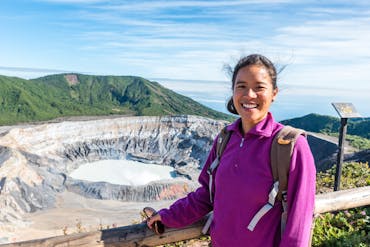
(152, 5)
(340, 39)
(73, 1)
(217, 87)
(36, 70)
(29, 73)
(322, 45)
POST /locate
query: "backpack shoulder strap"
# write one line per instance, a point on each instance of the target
(223, 139)
(281, 152)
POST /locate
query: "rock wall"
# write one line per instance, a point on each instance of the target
(324, 151)
(35, 160)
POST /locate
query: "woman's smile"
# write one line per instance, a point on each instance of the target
(252, 95)
(249, 106)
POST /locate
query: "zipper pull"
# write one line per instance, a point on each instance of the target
(241, 143)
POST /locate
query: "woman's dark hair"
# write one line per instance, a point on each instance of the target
(253, 59)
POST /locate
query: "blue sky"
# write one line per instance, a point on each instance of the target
(325, 44)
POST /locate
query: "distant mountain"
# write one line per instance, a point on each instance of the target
(63, 95)
(327, 124)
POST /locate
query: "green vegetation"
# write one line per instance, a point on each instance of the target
(349, 227)
(346, 228)
(358, 134)
(202, 241)
(326, 124)
(354, 175)
(357, 142)
(63, 95)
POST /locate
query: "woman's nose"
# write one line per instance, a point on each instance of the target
(249, 92)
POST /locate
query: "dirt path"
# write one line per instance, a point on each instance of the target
(74, 213)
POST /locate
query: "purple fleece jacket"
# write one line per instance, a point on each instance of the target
(243, 181)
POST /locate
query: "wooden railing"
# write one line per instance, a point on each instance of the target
(139, 235)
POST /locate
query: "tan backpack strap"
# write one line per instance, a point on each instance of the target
(223, 139)
(281, 152)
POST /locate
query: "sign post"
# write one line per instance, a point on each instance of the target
(345, 111)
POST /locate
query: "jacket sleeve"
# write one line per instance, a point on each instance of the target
(195, 205)
(301, 196)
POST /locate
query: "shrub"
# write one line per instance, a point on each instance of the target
(349, 227)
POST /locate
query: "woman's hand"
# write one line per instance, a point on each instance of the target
(153, 220)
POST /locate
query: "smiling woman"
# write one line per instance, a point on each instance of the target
(244, 166)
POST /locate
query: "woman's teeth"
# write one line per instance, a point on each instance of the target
(249, 106)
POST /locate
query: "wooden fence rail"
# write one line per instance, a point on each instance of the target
(139, 235)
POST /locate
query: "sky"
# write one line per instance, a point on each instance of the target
(185, 45)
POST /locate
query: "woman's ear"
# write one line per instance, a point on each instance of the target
(274, 94)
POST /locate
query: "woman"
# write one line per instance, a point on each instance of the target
(243, 178)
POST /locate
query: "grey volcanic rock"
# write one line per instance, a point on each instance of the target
(35, 160)
(325, 151)
(361, 156)
(150, 192)
(25, 188)
(167, 141)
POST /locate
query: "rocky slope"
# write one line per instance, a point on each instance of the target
(35, 160)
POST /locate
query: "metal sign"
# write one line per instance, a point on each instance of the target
(346, 110)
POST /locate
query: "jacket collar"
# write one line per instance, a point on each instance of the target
(264, 128)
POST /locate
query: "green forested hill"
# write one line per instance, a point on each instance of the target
(76, 94)
(327, 124)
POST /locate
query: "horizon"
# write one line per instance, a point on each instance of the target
(291, 102)
(322, 44)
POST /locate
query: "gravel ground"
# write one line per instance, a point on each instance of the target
(74, 213)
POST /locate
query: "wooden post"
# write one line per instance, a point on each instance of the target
(342, 200)
(139, 235)
(127, 236)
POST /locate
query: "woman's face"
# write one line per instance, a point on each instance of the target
(252, 94)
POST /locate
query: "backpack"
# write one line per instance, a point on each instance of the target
(280, 155)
